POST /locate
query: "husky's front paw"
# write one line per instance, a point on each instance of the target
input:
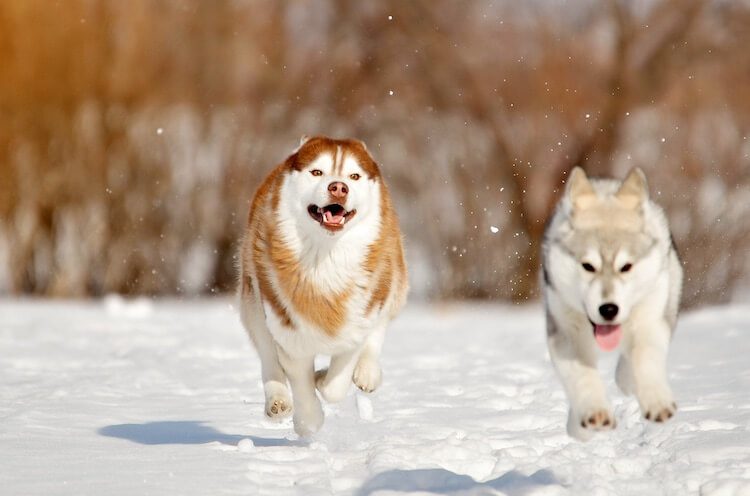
(659, 412)
(597, 419)
(657, 406)
(367, 375)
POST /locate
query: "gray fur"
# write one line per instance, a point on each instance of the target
(607, 225)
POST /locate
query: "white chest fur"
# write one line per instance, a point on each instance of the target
(332, 265)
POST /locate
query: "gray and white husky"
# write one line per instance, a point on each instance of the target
(611, 279)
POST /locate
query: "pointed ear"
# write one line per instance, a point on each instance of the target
(580, 191)
(634, 189)
(304, 139)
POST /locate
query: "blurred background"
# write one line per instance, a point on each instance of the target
(133, 134)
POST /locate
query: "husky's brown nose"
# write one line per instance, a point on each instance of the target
(338, 190)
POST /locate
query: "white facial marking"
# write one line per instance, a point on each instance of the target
(350, 166)
(622, 258)
(338, 161)
(594, 258)
(323, 162)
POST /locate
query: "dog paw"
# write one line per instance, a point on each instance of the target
(278, 407)
(598, 419)
(308, 421)
(367, 375)
(657, 404)
(278, 400)
(661, 412)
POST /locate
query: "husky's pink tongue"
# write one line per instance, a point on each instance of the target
(329, 218)
(607, 336)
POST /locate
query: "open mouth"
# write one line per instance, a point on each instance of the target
(607, 336)
(332, 217)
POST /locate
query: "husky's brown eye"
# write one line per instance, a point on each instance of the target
(626, 267)
(316, 172)
(588, 267)
(354, 177)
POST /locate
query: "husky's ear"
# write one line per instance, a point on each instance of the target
(304, 139)
(580, 191)
(634, 189)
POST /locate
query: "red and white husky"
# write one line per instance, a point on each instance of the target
(322, 272)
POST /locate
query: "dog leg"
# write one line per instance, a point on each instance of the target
(308, 413)
(624, 375)
(576, 365)
(648, 357)
(333, 382)
(368, 374)
(277, 395)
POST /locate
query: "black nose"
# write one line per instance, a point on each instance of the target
(608, 311)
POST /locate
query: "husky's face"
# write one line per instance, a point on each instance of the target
(333, 185)
(612, 270)
(606, 261)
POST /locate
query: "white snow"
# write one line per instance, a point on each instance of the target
(162, 398)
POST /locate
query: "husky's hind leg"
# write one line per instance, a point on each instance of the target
(624, 375)
(334, 382)
(360, 366)
(278, 397)
(367, 374)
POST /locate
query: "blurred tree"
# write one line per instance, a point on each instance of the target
(132, 134)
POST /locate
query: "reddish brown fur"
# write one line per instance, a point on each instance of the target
(317, 145)
(256, 243)
(384, 253)
(327, 311)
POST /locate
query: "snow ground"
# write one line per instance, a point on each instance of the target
(118, 397)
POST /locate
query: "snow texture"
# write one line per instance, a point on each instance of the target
(122, 397)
